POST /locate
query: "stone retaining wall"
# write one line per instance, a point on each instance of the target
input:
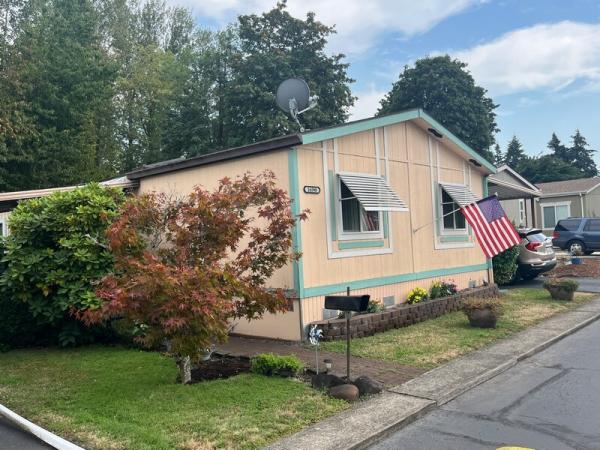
(399, 316)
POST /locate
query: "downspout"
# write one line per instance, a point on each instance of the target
(490, 266)
(581, 200)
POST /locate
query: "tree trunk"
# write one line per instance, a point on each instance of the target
(185, 369)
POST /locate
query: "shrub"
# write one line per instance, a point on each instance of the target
(567, 285)
(271, 364)
(375, 305)
(505, 265)
(473, 304)
(442, 289)
(417, 295)
(54, 254)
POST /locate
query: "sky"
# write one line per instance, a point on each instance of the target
(538, 59)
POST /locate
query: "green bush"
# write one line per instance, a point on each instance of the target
(55, 252)
(505, 265)
(417, 295)
(374, 306)
(271, 364)
(442, 289)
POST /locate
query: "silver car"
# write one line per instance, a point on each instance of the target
(536, 254)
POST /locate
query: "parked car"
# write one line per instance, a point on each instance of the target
(536, 254)
(578, 235)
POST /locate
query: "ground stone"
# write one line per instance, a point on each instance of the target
(326, 380)
(347, 392)
(368, 386)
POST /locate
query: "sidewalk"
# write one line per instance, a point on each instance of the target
(372, 420)
(388, 373)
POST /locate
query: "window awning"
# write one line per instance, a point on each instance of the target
(460, 194)
(373, 193)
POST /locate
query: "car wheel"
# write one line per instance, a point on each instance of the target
(576, 247)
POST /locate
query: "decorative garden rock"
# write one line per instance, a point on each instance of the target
(367, 385)
(347, 392)
(326, 380)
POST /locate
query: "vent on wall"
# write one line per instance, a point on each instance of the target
(389, 301)
(330, 314)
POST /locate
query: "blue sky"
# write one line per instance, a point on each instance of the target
(539, 59)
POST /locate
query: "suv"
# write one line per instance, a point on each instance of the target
(536, 254)
(579, 235)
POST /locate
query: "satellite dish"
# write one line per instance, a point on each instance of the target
(293, 96)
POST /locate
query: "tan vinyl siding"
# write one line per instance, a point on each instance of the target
(182, 182)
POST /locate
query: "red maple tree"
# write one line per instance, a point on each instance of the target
(184, 269)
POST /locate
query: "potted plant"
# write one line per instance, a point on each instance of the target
(482, 312)
(561, 289)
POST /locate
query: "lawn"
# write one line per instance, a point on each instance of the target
(431, 343)
(116, 398)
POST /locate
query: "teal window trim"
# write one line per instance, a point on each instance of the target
(458, 238)
(347, 245)
(333, 201)
(447, 238)
(297, 267)
(392, 279)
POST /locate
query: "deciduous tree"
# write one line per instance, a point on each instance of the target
(185, 269)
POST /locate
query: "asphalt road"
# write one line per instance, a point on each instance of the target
(585, 284)
(12, 438)
(548, 402)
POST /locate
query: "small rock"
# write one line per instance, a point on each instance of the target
(326, 380)
(367, 385)
(347, 392)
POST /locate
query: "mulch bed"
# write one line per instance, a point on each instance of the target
(589, 268)
(220, 366)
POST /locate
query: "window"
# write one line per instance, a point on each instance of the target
(452, 217)
(593, 225)
(568, 225)
(354, 217)
(551, 214)
(522, 220)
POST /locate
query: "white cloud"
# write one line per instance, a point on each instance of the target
(367, 103)
(548, 57)
(358, 23)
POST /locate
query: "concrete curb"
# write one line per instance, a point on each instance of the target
(371, 420)
(30, 427)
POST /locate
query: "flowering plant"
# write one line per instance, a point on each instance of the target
(417, 295)
(442, 289)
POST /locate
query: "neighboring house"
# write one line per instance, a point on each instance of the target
(383, 213)
(571, 198)
(9, 200)
(516, 194)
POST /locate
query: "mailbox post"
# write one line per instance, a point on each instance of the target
(347, 303)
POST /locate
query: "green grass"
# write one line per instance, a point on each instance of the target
(431, 343)
(115, 398)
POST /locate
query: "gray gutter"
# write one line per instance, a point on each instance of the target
(224, 155)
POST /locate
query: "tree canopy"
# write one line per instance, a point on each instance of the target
(443, 87)
(90, 89)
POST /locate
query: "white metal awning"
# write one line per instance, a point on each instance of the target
(460, 194)
(373, 192)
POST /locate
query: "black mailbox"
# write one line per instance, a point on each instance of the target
(347, 302)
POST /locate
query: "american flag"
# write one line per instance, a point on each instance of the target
(494, 231)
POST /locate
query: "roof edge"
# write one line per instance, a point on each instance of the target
(336, 131)
(223, 155)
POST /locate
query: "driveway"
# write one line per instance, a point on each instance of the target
(12, 438)
(550, 401)
(585, 284)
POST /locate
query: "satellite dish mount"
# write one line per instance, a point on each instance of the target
(293, 96)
